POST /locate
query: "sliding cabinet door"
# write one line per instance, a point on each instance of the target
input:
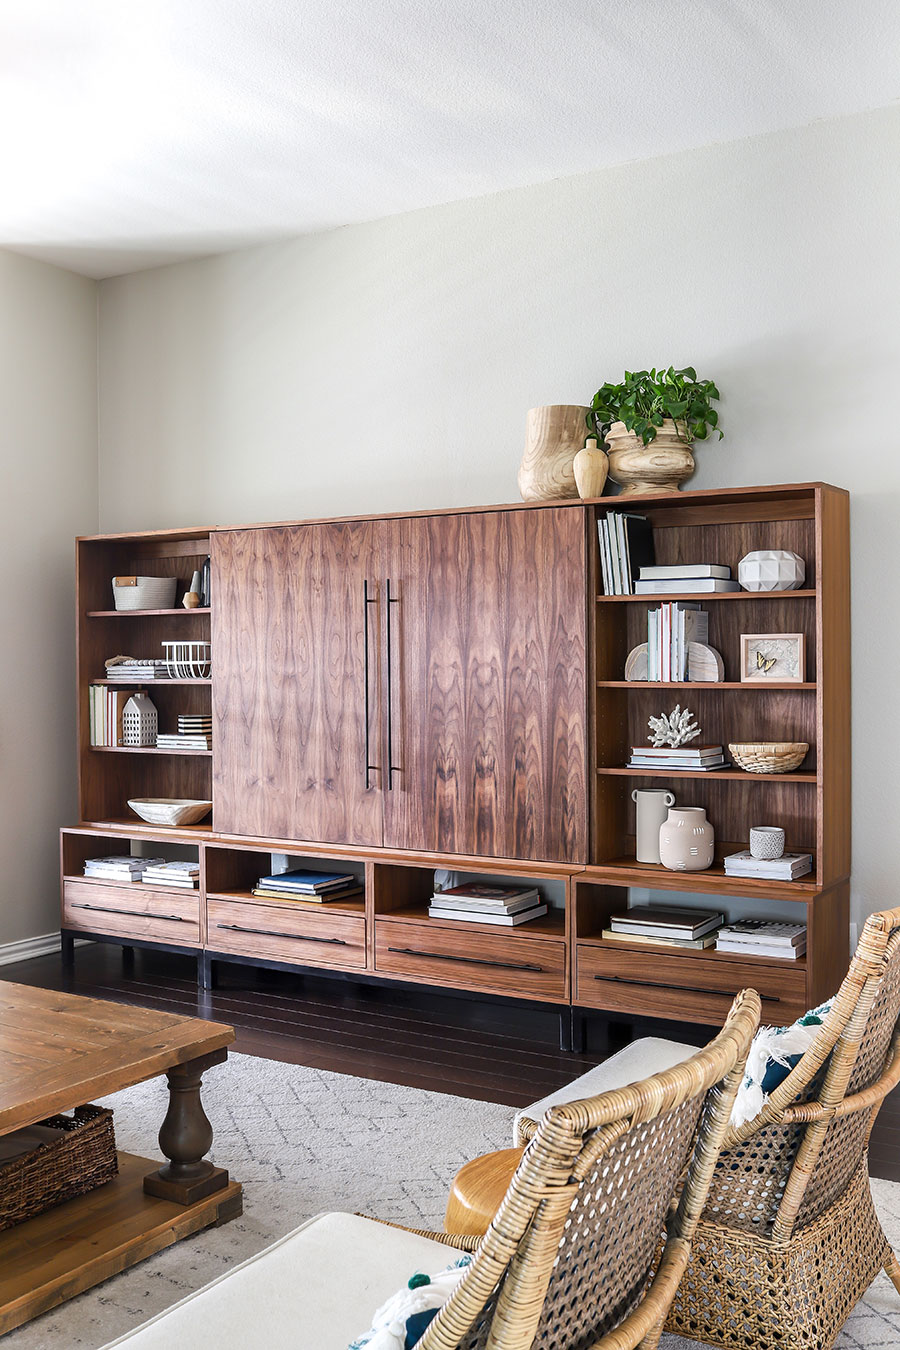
(486, 693)
(295, 673)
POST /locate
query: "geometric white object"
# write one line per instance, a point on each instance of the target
(139, 721)
(772, 569)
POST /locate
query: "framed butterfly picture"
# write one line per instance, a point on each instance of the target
(773, 657)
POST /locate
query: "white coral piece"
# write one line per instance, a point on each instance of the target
(675, 729)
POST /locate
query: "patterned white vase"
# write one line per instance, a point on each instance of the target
(686, 840)
(772, 569)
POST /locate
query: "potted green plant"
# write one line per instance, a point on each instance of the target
(650, 421)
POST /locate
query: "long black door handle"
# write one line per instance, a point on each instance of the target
(132, 913)
(680, 988)
(465, 960)
(271, 932)
(367, 601)
(392, 768)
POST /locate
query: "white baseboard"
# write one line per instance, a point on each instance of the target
(26, 948)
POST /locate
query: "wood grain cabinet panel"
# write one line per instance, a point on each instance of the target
(487, 685)
(277, 933)
(497, 962)
(289, 682)
(132, 911)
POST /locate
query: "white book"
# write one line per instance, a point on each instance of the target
(764, 930)
(604, 569)
(501, 920)
(622, 546)
(697, 586)
(772, 951)
(685, 572)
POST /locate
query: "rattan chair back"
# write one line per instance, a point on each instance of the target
(568, 1261)
(784, 1169)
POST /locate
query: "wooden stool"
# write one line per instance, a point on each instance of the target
(477, 1190)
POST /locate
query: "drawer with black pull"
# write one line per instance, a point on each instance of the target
(138, 911)
(309, 936)
(500, 962)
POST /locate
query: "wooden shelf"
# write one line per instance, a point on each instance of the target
(142, 613)
(703, 597)
(690, 953)
(756, 685)
(655, 877)
(142, 829)
(138, 885)
(355, 906)
(711, 774)
(149, 684)
(145, 750)
(550, 925)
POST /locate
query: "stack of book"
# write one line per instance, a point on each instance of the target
(657, 926)
(475, 902)
(695, 578)
(184, 875)
(300, 884)
(696, 758)
(760, 937)
(670, 629)
(121, 868)
(194, 733)
(788, 867)
(106, 707)
(136, 668)
(626, 547)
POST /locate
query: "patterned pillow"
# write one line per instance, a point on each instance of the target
(774, 1052)
(401, 1322)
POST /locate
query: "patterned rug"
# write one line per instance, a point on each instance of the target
(303, 1141)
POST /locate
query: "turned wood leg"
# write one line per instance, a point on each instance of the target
(185, 1136)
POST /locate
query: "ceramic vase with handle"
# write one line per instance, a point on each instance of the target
(686, 840)
(651, 806)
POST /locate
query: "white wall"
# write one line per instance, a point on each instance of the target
(48, 407)
(390, 365)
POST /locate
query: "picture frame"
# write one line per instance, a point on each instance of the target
(773, 658)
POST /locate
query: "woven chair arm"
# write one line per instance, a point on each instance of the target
(466, 1242)
(803, 1113)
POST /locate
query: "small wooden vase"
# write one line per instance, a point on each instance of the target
(661, 466)
(591, 467)
(553, 437)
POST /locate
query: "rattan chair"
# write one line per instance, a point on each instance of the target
(568, 1260)
(789, 1240)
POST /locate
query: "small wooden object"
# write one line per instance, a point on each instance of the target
(705, 664)
(477, 1190)
(591, 467)
(637, 665)
(774, 757)
(553, 437)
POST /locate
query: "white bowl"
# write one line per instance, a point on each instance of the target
(170, 810)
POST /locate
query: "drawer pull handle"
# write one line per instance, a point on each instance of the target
(466, 960)
(682, 988)
(131, 913)
(271, 932)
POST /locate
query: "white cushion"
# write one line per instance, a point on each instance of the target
(315, 1289)
(638, 1060)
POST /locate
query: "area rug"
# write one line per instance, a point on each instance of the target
(303, 1141)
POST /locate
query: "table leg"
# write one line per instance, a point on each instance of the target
(185, 1136)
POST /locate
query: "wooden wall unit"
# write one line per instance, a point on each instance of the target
(471, 653)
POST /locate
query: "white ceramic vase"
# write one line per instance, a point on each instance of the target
(651, 805)
(686, 840)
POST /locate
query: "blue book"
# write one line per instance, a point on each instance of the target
(300, 880)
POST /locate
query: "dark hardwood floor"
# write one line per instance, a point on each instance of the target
(472, 1047)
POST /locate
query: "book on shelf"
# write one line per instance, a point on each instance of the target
(185, 875)
(788, 867)
(301, 881)
(670, 631)
(205, 577)
(136, 668)
(775, 950)
(626, 545)
(648, 940)
(488, 916)
(681, 757)
(769, 931)
(692, 585)
(484, 895)
(308, 897)
(119, 868)
(106, 707)
(665, 921)
(440, 900)
(182, 741)
(686, 572)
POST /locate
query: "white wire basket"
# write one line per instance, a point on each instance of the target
(188, 660)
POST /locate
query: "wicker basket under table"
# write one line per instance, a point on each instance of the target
(84, 1158)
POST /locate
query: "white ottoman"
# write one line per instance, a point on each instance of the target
(315, 1289)
(638, 1060)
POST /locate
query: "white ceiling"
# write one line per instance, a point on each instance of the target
(135, 132)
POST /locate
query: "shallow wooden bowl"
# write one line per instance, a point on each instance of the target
(769, 757)
(169, 810)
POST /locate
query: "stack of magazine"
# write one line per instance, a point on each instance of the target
(694, 758)
(763, 937)
(184, 876)
(626, 546)
(475, 902)
(788, 867)
(659, 926)
(301, 884)
(120, 867)
(696, 578)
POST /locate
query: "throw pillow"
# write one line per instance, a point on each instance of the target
(774, 1052)
(401, 1322)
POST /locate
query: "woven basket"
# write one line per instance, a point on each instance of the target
(84, 1158)
(144, 592)
(774, 757)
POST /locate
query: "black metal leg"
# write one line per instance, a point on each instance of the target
(128, 960)
(67, 950)
(207, 975)
(577, 1037)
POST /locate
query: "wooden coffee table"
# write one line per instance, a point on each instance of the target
(58, 1051)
